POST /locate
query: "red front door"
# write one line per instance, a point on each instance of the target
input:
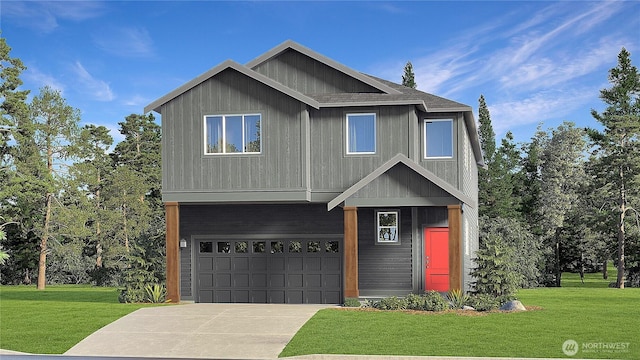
(436, 258)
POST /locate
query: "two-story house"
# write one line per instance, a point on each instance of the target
(295, 179)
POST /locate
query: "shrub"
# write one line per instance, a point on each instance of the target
(429, 301)
(351, 302)
(391, 303)
(483, 302)
(457, 298)
(495, 268)
(155, 293)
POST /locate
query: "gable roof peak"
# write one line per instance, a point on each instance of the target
(292, 45)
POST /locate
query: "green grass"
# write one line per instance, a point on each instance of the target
(53, 320)
(591, 280)
(586, 314)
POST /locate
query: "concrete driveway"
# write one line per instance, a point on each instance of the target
(214, 331)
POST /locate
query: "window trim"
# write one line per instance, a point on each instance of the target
(375, 133)
(224, 134)
(377, 225)
(424, 135)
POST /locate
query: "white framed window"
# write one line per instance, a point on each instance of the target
(388, 227)
(438, 138)
(232, 134)
(361, 133)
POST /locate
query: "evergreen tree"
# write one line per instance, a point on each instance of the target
(617, 149)
(53, 125)
(408, 78)
(563, 176)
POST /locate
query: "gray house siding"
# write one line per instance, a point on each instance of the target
(470, 232)
(197, 221)
(446, 169)
(403, 185)
(332, 170)
(384, 269)
(185, 167)
(309, 76)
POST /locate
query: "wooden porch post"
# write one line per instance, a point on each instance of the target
(351, 252)
(455, 247)
(172, 216)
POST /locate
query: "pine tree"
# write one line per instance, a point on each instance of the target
(618, 148)
(408, 78)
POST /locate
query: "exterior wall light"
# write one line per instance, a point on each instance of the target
(183, 243)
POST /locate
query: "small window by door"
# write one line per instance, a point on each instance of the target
(388, 227)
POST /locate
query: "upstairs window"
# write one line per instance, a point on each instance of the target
(387, 227)
(361, 133)
(438, 138)
(232, 134)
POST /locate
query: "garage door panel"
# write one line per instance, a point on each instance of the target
(241, 280)
(313, 280)
(222, 264)
(294, 264)
(295, 297)
(331, 280)
(277, 280)
(205, 295)
(295, 281)
(313, 297)
(269, 271)
(312, 264)
(240, 263)
(241, 296)
(259, 296)
(258, 263)
(259, 280)
(222, 281)
(277, 296)
(205, 264)
(206, 280)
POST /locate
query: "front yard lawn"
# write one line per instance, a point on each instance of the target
(53, 320)
(589, 316)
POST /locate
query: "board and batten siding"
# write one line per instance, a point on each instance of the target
(309, 76)
(187, 169)
(384, 269)
(333, 170)
(446, 169)
(470, 232)
(253, 221)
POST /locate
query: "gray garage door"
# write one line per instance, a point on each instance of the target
(293, 271)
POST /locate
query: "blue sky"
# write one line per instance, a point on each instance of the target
(535, 62)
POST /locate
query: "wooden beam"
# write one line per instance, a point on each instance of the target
(455, 247)
(351, 252)
(172, 216)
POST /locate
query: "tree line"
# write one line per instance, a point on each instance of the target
(569, 199)
(73, 207)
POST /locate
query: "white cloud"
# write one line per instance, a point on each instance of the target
(44, 16)
(538, 107)
(99, 89)
(126, 42)
(34, 76)
(136, 100)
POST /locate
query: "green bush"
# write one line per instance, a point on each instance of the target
(391, 303)
(495, 272)
(351, 302)
(484, 302)
(429, 301)
(155, 293)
